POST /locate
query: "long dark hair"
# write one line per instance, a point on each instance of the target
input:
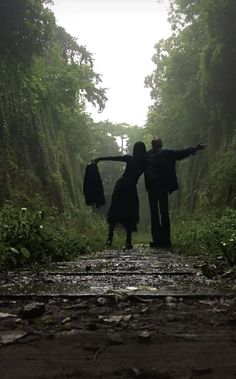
(140, 153)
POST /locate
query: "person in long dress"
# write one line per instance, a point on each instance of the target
(124, 208)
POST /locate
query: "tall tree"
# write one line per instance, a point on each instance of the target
(47, 78)
(191, 101)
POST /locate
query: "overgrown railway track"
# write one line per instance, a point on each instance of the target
(144, 314)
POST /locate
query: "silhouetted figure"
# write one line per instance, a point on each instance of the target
(161, 180)
(124, 208)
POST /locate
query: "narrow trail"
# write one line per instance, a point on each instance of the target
(137, 314)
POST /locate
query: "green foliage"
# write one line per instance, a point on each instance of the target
(207, 234)
(25, 29)
(221, 184)
(23, 237)
(46, 80)
(194, 96)
(82, 230)
(29, 236)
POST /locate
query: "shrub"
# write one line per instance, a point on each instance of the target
(31, 236)
(23, 237)
(211, 234)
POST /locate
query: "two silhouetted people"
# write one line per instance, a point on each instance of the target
(158, 166)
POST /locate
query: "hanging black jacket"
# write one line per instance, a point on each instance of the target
(160, 170)
(93, 187)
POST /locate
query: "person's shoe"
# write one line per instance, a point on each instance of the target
(108, 243)
(128, 246)
(155, 245)
(166, 245)
(167, 248)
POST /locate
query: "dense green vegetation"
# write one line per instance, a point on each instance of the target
(46, 79)
(35, 237)
(47, 137)
(193, 92)
(193, 89)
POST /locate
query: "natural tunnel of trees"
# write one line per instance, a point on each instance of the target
(47, 136)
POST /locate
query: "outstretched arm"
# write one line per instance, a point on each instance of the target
(122, 158)
(185, 153)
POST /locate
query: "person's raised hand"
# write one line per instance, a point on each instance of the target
(200, 146)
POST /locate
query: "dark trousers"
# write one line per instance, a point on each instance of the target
(160, 220)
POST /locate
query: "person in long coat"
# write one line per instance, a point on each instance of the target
(124, 208)
(160, 181)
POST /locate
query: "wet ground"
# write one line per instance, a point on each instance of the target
(142, 314)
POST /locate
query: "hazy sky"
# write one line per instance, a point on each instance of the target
(121, 35)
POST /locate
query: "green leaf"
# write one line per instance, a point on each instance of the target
(25, 252)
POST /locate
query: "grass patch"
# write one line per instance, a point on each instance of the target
(210, 234)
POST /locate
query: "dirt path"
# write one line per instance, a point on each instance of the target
(141, 314)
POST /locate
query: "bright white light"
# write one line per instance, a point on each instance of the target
(121, 34)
